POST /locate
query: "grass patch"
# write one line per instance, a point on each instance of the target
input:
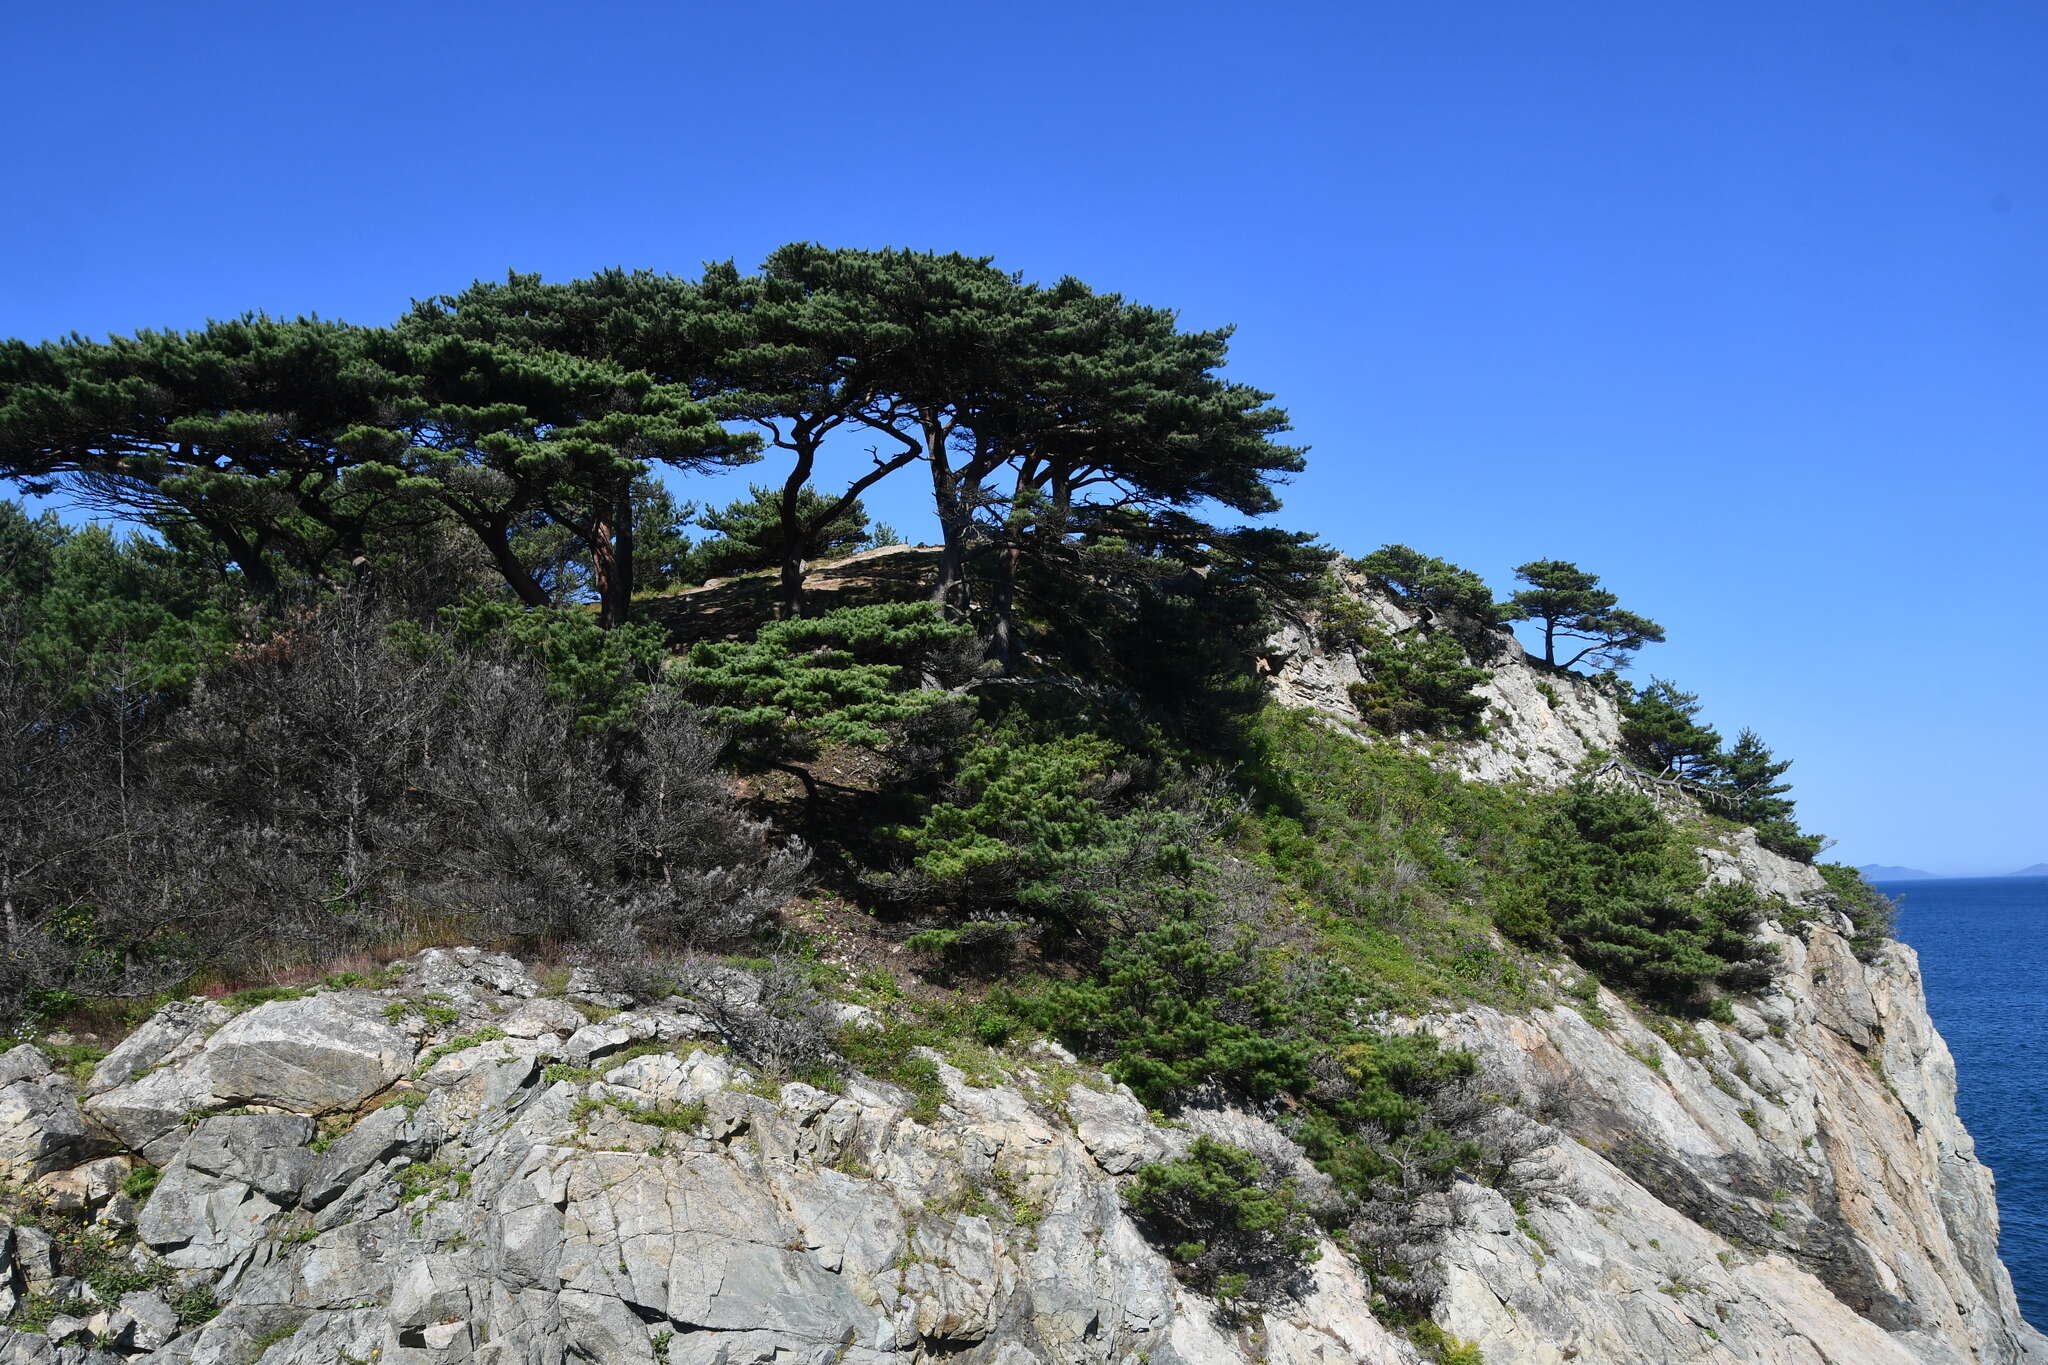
(463, 1043)
(241, 1002)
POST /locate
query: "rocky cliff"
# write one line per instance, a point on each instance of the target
(451, 1163)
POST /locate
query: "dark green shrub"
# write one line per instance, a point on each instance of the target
(1619, 890)
(851, 676)
(977, 947)
(1047, 831)
(1418, 684)
(1231, 1225)
(1874, 914)
(1174, 1007)
(599, 674)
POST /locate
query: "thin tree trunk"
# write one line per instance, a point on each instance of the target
(628, 568)
(611, 553)
(792, 603)
(498, 544)
(1002, 642)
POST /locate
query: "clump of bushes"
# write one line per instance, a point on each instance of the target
(1055, 835)
(1183, 1003)
(1873, 915)
(853, 676)
(1418, 683)
(1232, 1224)
(342, 785)
(1610, 880)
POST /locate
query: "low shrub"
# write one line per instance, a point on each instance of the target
(1232, 1226)
(1418, 684)
(1873, 915)
(1613, 883)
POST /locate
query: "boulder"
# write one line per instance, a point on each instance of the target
(173, 1034)
(149, 1113)
(217, 1199)
(312, 1056)
(154, 1323)
(41, 1126)
(266, 1152)
(379, 1136)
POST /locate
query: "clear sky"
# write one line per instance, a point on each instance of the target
(1742, 305)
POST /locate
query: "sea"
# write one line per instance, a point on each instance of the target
(1983, 945)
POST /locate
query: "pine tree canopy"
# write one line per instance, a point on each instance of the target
(1572, 606)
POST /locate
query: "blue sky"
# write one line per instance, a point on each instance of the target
(1744, 306)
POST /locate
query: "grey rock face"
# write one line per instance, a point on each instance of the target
(173, 1034)
(1793, 1189)
(311, 1056)
(41, 1126)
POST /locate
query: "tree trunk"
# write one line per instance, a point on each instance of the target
(623, 540)
(804, 439)
(1002, 641)
(262, 579)
(498, 543)
(611, 554)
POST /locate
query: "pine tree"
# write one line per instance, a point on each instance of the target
(1572, 606)
(506, 426)
(1749, 774)
(751, 535)
(1660, 726)
(1425, 586)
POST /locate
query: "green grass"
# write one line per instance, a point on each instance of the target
(1393, 865)
(241, 1002)
(454, 1045)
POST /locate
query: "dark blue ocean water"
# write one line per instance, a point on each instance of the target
(1983, 944)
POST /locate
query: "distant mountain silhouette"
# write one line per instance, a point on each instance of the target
(2037, 870)
(1879, 872)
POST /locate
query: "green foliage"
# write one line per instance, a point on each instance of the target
(430, 1179)
(979, 946)
(460, 1043)
(515, 410)
(599, 674)
(850, 676)
(1046, 829)
(1158, 615)
(1619, 890)
(1018, 808)
(1395, 862)
(890, 1053)
(678, 1118)
(1427, 586)
(749, 531)
(1418, 683)
(1748, 774)
(1232, 1227)
(193, 1304)
(1873, 914)
(1174, 1007)
(1572, 606)
(1660, 727)
(97, 618)
(1444, 1348)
